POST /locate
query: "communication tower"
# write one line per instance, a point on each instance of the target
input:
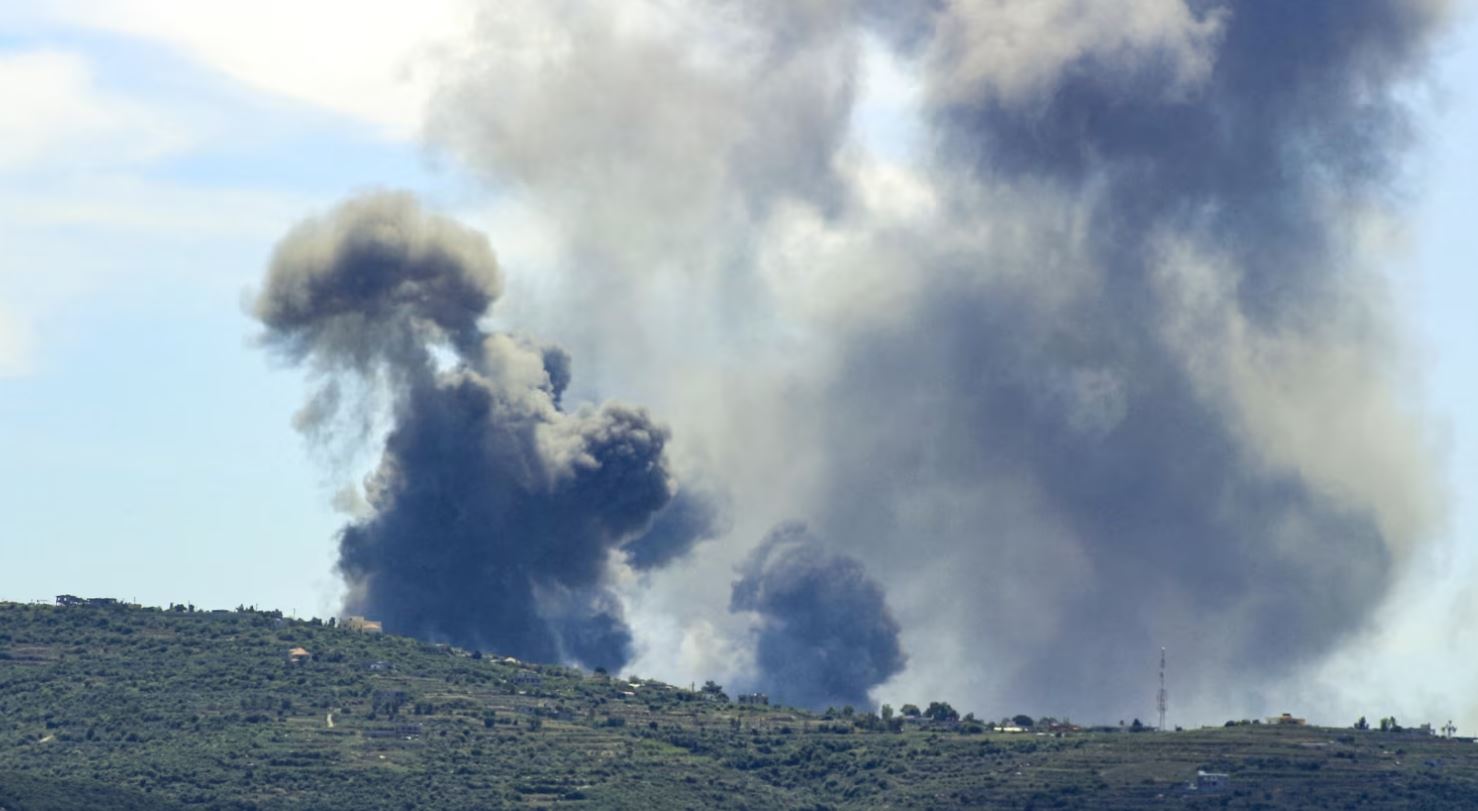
(1160, 698)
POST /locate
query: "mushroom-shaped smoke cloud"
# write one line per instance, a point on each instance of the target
(493, 512)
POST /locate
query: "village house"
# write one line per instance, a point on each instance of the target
(298, 656)
(1287, 720)
(91, 602)
(755, 699)
(1210, 781)
(362, 625)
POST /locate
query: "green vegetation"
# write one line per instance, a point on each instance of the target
(120, 708)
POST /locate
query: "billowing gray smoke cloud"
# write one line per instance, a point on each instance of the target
(690, 517)
(493, 512)
(1169, 418)
(1109, 366)
(825, 636)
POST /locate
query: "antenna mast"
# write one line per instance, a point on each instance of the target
(1160, 698)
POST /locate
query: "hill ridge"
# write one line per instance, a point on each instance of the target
(192, 709)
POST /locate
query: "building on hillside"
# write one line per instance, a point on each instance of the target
(91, 602)
(755, 699)
(298, 656)
(1211, 781)
(363, 625)
(1287, 720)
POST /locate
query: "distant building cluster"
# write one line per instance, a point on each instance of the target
(91, 602)
(1210, 781)
(363, 625)
(755, 699)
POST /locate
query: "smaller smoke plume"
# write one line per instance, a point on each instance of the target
(826, 635)
(493, 514)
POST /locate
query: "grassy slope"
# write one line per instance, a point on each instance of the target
(133, 708)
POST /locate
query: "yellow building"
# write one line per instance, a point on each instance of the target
(363, 625)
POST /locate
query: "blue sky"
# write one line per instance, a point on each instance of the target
(145, 445)
(146, 449)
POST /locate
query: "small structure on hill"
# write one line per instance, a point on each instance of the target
(298, 656)
(1210, 781)
(91, 602)
(755, 699)
(393, 731)
(1287, 720)
(363, 625)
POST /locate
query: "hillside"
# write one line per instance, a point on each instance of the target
(122, 707)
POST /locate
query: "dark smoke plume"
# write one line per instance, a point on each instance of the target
(690, 517)
(1164, 409)
(493, 511)
(826, 636)
(1102, 362)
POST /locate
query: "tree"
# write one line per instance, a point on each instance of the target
(891, 723)
(714, 689)
(1362, 724)
(910, 710)
(941, 711)
(1022, 720)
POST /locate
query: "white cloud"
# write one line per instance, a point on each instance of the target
(55, 115)
(125, 203)
(15, 349)
(371, 60)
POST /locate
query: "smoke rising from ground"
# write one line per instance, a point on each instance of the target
(825, 635)
(1173, 409)
(493, 512)
(1107, 363)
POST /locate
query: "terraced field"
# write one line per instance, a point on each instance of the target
(125, 708)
